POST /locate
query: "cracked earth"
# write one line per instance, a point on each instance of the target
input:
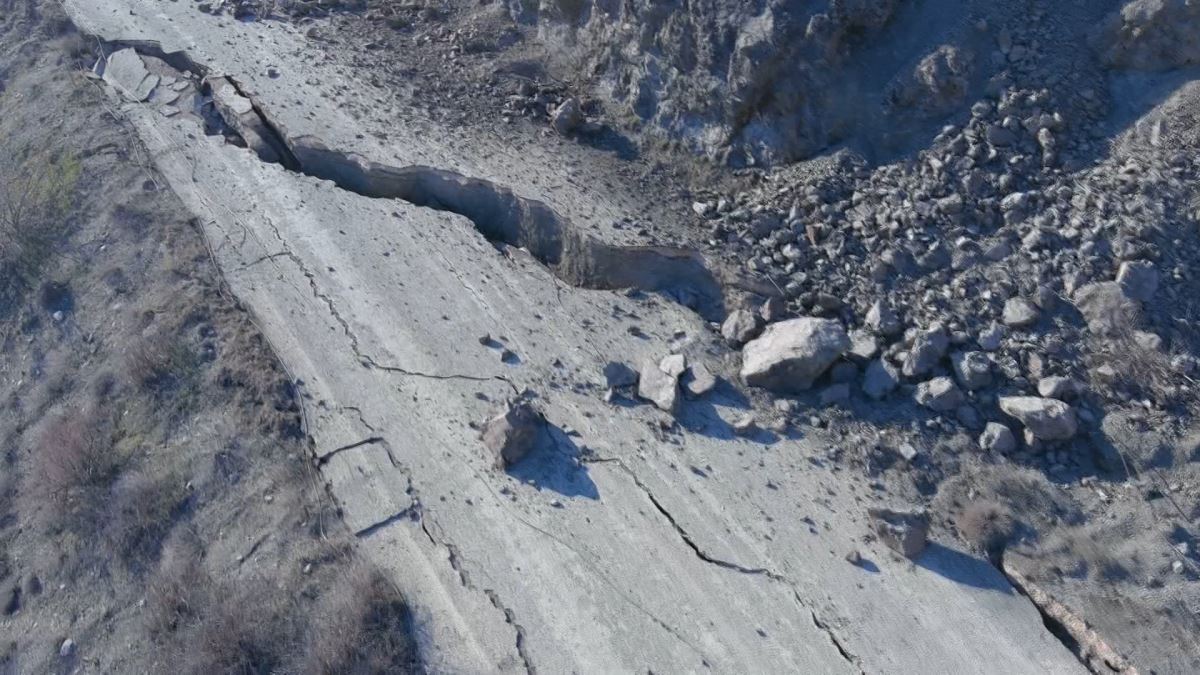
(469, 265)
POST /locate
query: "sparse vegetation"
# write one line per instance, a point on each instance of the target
(72, 460)
(144, 420)
(988, 526)
(36, 196)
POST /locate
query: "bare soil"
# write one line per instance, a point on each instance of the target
(158, 509)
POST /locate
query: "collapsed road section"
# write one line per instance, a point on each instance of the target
(497, 212)
(556, 562)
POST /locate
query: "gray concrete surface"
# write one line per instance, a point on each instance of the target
(667, 552)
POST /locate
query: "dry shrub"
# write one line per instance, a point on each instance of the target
(140, 513)
(178, 590)
(240, 625)
(72, 460)
(159, 363)
(988, 526)
(36, 193)
(362, 625)
(246, 629)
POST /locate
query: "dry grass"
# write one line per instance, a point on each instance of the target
(36, 194)
(988, 526)
(362, 626)
(359, 623)
(72, 459)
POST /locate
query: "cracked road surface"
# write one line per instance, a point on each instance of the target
(625, 549)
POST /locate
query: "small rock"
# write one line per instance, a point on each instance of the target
(740, 327)
(997, 438)
(698, 380)
(1058, 387)
(991, 338)
(880, 379)
(658, 386)
(908, 451)
(1046, 419)
(939, 394)
(1019, 313)
(883, 320)
(863, 345)
(927, 350)
(567, 117)
(744, 425)
(67, 649)
(972, 369)
(772, 310)
(1139, 279)
(511, 435)
(673, 365)
(905, 532)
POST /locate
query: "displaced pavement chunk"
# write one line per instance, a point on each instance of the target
(511, 435)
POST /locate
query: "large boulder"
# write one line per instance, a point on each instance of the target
(1047, 419)
(790, 355)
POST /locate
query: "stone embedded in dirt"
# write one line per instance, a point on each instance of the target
(1019, 313)
(511, 435)
(991, 338)
(972, 369)
(1058, 387)
(997, 438)
(744, 425)
(567, 117)
(927, 351)
(905, 532)
(740, 327)
(939, 394)
(659, 382)
(1106, 308)
(618, 375)
(698, 380)
(1047, 419)
(791, 354)
(863, 345)
(67, 649)
(1139, 279)
(881, 378)
(883, 320)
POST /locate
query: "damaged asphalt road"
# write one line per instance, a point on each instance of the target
(558, 565)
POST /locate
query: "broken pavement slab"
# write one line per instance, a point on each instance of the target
(127, 73)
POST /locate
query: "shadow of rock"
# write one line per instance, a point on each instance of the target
(962, 568)
(554, 465)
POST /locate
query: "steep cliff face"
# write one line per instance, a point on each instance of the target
(744, 82)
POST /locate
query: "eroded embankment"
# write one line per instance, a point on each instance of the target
(503, 217)
(498, 213)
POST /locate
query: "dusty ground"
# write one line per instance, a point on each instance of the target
(158, 511)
